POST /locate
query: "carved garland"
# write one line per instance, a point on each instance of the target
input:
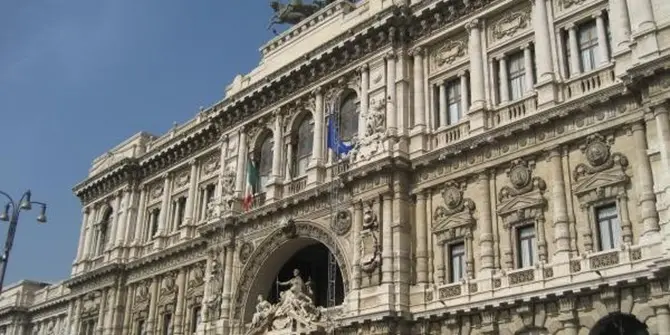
(454, 222)
(273, 242)
(523, 204)
(600, 182)
(370, 250)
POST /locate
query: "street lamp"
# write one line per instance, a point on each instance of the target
(11, 214)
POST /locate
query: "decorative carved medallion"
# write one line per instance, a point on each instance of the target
(341, 223)
(245, 251)
(511, 24)
(453, 220)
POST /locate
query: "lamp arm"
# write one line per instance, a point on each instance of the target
(11, 201)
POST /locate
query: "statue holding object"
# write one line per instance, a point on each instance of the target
(294, 11)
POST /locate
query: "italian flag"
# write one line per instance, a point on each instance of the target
(252, 181)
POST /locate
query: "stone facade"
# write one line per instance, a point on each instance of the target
(508, 176)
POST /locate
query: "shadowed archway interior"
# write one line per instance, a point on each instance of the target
(312, 261)
(619, 324)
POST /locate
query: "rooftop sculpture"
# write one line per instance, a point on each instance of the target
(294, 11)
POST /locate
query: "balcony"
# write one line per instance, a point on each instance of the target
(589, 82)
(514, 111)
(444, 136)
(295, 186)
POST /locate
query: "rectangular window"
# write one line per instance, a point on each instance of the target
(87, 327)
(454, 100)
(587, 38)
(195, 319)
(527, 246)
(609, 227)
(181, 211)
(167, 324)
(516, 76)
(155, 216)
(457, 257)
(207, 196)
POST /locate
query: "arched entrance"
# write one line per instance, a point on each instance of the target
(619, 324)
(296, 244)
(313, 262)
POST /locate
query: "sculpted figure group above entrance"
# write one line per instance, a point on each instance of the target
(294, 11)
(295, 310)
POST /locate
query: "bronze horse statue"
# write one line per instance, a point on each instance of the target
(294, 11)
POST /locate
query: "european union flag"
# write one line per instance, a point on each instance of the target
(334, 141)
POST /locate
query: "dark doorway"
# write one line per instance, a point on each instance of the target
(312, 261)
(619, 324)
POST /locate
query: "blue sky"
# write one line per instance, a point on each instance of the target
(79, 76)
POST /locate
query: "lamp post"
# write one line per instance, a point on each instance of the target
(11, 214)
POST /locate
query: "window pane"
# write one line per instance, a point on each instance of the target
(348, 125)
(588, 42)
(457, 254)
(454, 100)
(265, 161)
(609, 227)
(527, 246)
(302, 151)
(516, 75)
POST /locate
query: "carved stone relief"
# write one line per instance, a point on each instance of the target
(570, 3)
(156, 191)
(510, 24)
(218, 207)
(210, 165)
(168, 289)
(196, 280)
(603, 180)
(447, 53)
(454, 221)
(523, 204)
(370, 253)
(91, 303)
(245, 251)
(142, 297)
(341, 223)
(375, 130)
(214, 283)
(181, 179)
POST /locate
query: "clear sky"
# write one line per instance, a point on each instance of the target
(79, 76)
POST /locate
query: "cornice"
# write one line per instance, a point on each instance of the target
(92, 275)
(166, 253)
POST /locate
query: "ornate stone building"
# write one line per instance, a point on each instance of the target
(508, 175)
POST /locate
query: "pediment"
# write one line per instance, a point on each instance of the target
(521, 202)
(453, 221)
(600, 180)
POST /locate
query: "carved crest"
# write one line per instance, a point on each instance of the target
(597, 152)
(341, 223)
(369, 217)
(454, 218)
(524, 199)
(370, 251)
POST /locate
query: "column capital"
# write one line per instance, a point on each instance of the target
(525, 46)
(598, 14)
(363, 68)
(416, 51)
(659, 107)
(317, 91)
(391, 55)
(473, 25)
(86, 210)
(570, 26)
(554, 151)
(421, 196)
(462, 73)
(193, 162)
(500, 58)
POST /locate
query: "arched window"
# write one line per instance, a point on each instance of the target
(348, 123)
(264, 160)
(302, 146)
(103, 231)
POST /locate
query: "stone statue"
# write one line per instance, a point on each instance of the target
(263, 310)
(294, 11)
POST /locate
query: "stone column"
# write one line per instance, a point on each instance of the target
(242, 153)
(82, 234)
(663, 320)
(387, 238)
(319, 123)
(561, 223)
(603, 52)
(127, 319)
(641, 15)
(465, 93)
(365, 99)
(115, 221)
(228, 280)
(165, 206)
(179, 306)
(419, 95)
(543, 55)
(100, 325)
(443, 115)
(391, 96)
(132, 216)
(575, 66)
(503, 80)
(621, 28)
(421, 239)
(189, 217)
(476, 66)
(141, 214)
(123, 216)
(485, 224)
(276, 147)
(528, 66)
(152, 306)
(663, 131)
(438, 253)
(645, 185)
(358, 225)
